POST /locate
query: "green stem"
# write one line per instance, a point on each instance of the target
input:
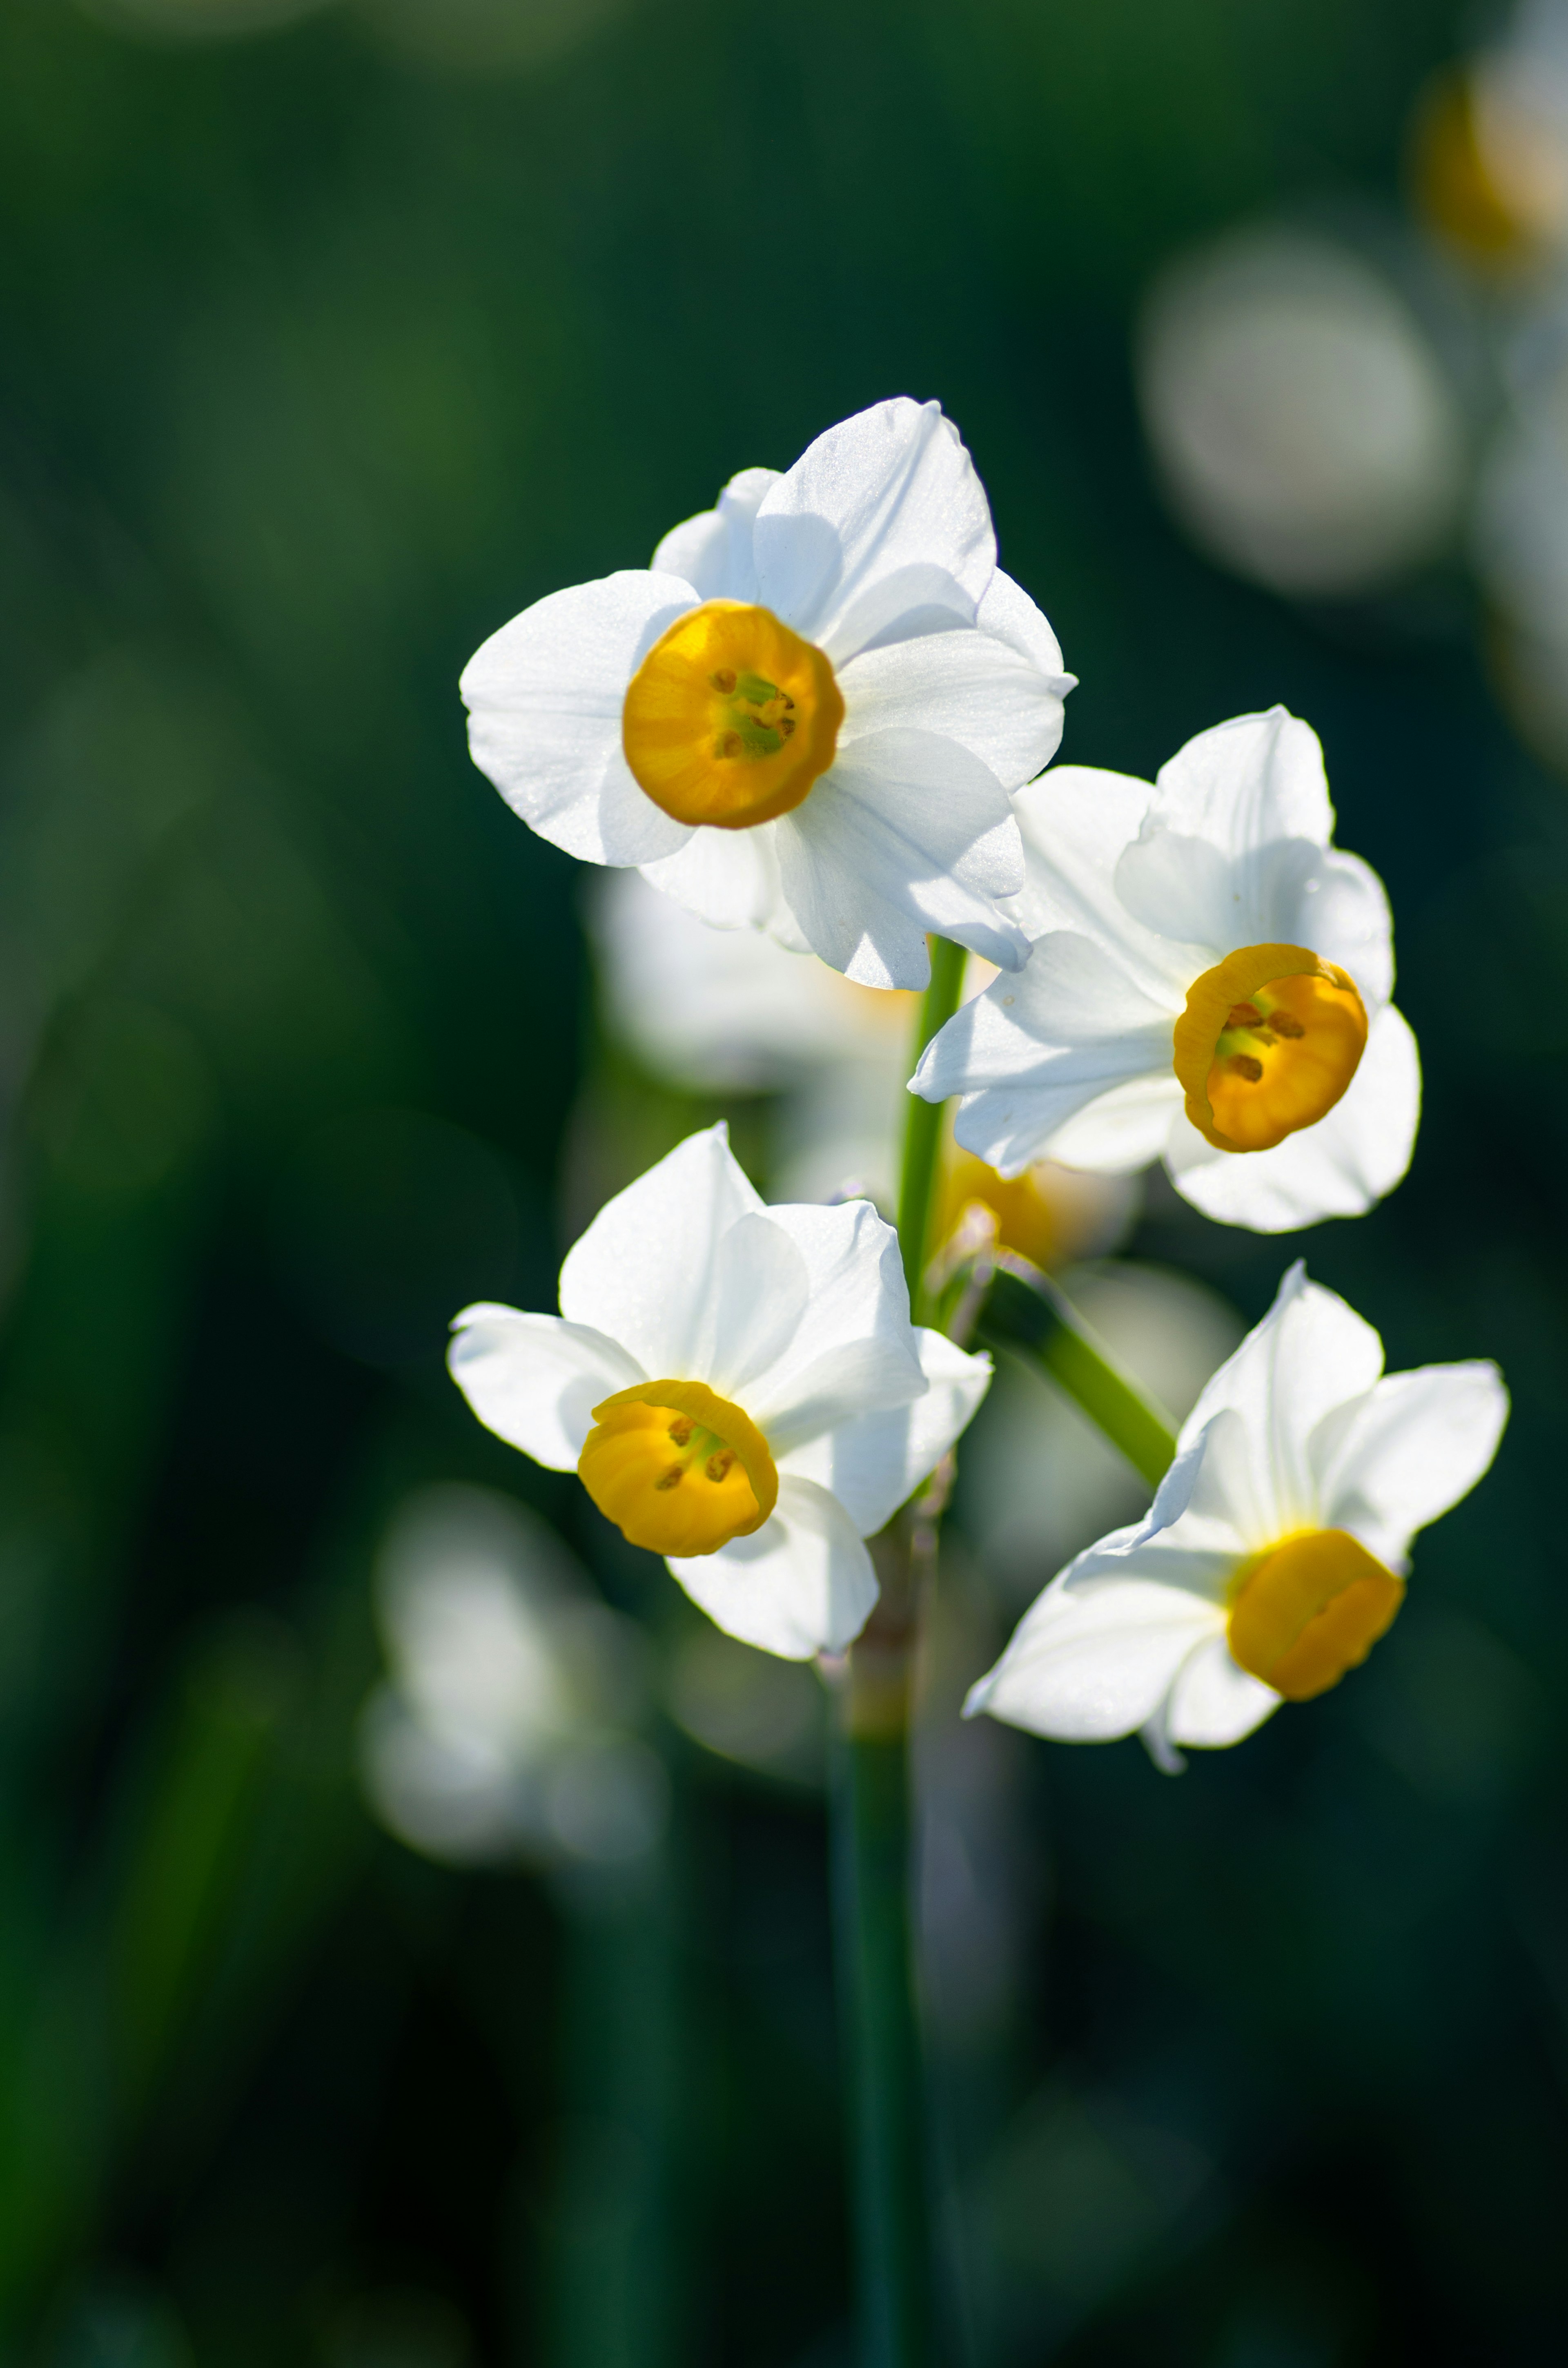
(923, 1123)
(1025, 1312)
(872, 1851)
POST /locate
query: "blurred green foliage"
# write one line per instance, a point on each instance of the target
(325, 351)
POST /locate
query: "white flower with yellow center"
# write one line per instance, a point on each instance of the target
(807, 716)
(739, 1388)
(1209, 980)
(1274, 1555)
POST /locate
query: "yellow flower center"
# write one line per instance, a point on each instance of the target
(1309, 1608)
(1268, 1041)
(731, 717)
(677, 1468)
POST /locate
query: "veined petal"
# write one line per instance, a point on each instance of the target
(854, 1348)
(1246, 784)
(1310, 1353)
(1337, 1169)
(873, 1462)
(544, 697)
(1076, 824)
(801, 1584)
(1343, 914)
(1008, 614)
(966, 686)
(1121, 1131)
(535, 1379)
(712, 552)
(645, 1271)
(757, 1302)
(908, 833)
(1094, 1657)
(1213, 1701)
(1035, 1050)
(1390, 1462)
(881, 516)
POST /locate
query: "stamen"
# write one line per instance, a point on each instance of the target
(1283, 1024)
(670, 1479)
(1242, 1064)
(717, 1466)
(681, 1429)
(723, 681)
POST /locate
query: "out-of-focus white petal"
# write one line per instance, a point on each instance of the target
(873, 1462)
(882, 517)
(535, 1379)
(1076, 824)
(801, 1584)
(908, 833)
(853, 1350)
(1336, 1168)
(1394, 1460)
(1035, 1050)
(1246, 783)
(1310, 1353)
(544, 697)
(1213, 1701)
(970, 688)
(1094, 1657)
(729, 877)
(645, 1271)
(712, 552)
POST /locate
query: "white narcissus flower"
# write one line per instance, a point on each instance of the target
(1275, 1554)
(1208, 980)
(739, 1388)
(807, 716)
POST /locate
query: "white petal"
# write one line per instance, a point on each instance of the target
(712, 552)
(908, 833)
(1396, 1459)
(880, 518)
(873, 1464)
(853, 1350)
(1343, 914)
(1247, 783)
(1035, 1050)
(1215, 1702)
(801, 1584)
(757, 1300)
(1310, 1354)
(1007, 613)
(644, 1271)
(1336, 1168)
(1123, 1131)
(730, 877)
(966, 686)
(535, 1379)
(1076, 824)
(545, 698)
(1094, 1660)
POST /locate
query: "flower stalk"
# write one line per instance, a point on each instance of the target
(923, 1126)
(1025, 1314)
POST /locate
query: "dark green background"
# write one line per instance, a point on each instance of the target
(315, 365)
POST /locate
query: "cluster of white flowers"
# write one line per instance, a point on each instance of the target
(823, 713)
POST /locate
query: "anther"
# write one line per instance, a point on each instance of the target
(1285, 1023)
(728, 744)
(723, 681)
(670, 1479)
(1244, 1015)
(682, 1429)
(717, 1466)
(785, 725)
(1243, 1065)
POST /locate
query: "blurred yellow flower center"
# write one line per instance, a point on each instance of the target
(1309, 1608)
(731, 717)
(677, 1468)
(1268, 1041)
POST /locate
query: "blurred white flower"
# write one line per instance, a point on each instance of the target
(1521, 540)
(1302, 423)
(505, 1727)
(1208, 980)
(1490, 151)
(807, 715)
(739, 1388)
(1275, 1554)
